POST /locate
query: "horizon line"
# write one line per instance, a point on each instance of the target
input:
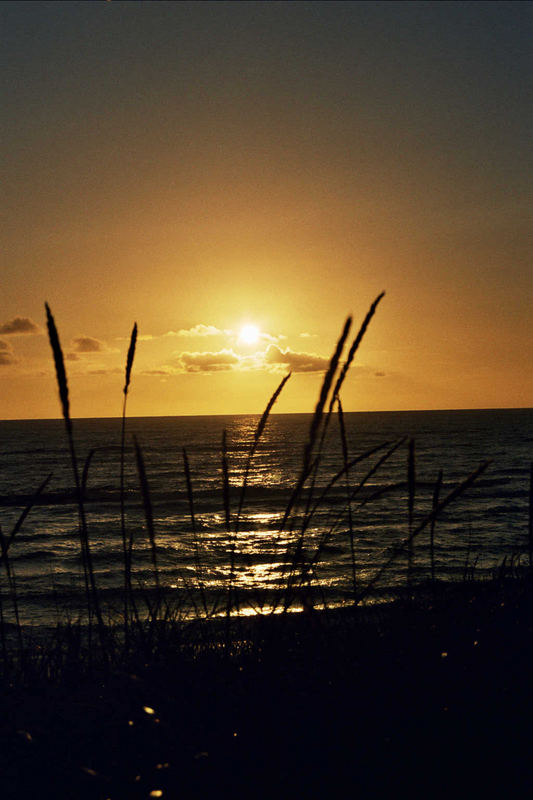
(272, 413)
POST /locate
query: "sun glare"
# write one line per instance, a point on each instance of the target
(249, 334)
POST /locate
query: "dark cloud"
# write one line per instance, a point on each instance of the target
(208, 362)
(4, 346)
(157, 372)
(19, 326)
(86, 344)
(379, 374)
(294, 361)
(72, 357)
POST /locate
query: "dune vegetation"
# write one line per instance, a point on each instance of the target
(149, 701)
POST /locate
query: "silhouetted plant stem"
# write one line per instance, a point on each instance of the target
(436, 493)
(323, 396)
(313, 560)
(12, 588)
(344, 443)
(225, 482)
(253, 447)
(25, 513)
(396, 551)
(310, 464)
(5, 654)
(149, 517)
(411, 489)
(90, 583)
(125, 545)
(196, 543)
(349, 359)
(530, 537)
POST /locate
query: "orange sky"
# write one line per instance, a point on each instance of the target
(196, 167)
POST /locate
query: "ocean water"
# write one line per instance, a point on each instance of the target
(472, 535)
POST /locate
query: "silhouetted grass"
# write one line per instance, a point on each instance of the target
(301, 558)
(127, 542)
(279, 701)
(93, 601)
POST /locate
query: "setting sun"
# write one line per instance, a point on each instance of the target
(249, 334)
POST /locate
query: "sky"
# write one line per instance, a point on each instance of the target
(202, 167)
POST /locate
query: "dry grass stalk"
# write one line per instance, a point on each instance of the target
(257, 436)
(436, 494)
(196, 543)
(353, 349)
(344, 443)
(396, 551)
(127, 543)
(530, 537)
(89, 577)
(411, 491)
(149, 518)
(324, 391)
(225, 482)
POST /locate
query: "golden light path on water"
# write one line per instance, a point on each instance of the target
(261, 569)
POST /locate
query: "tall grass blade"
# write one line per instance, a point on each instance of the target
(20, 521)
(353, 349)
(313, 560)
(225, 483)
(347, 364)
(344, 443)
(411, 490)
(310, 465)
(130, 357)
(323, 396)
(436, 494)
(396, 551)
(530, 532)
(148, 512)
(196, 544)
(233, 534)
(85, 471)
(127, 544)
(12, 588)
(60, 369)
(89, 577)
(257, 436)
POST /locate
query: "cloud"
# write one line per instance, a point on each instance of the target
(6, 359)
(4, 346)
(72, 357)
(208, 362)
(104, 371)
(294, 361)
(267, 337)
(86, 344)
(306, 335)
(379, 374)
(158, 372)
(200, 330)
(19, 326)
(273, 359)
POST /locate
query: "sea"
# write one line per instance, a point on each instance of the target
(345, 535)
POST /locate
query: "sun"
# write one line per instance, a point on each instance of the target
(249, 334)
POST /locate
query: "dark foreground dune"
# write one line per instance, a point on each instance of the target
(428, 697)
